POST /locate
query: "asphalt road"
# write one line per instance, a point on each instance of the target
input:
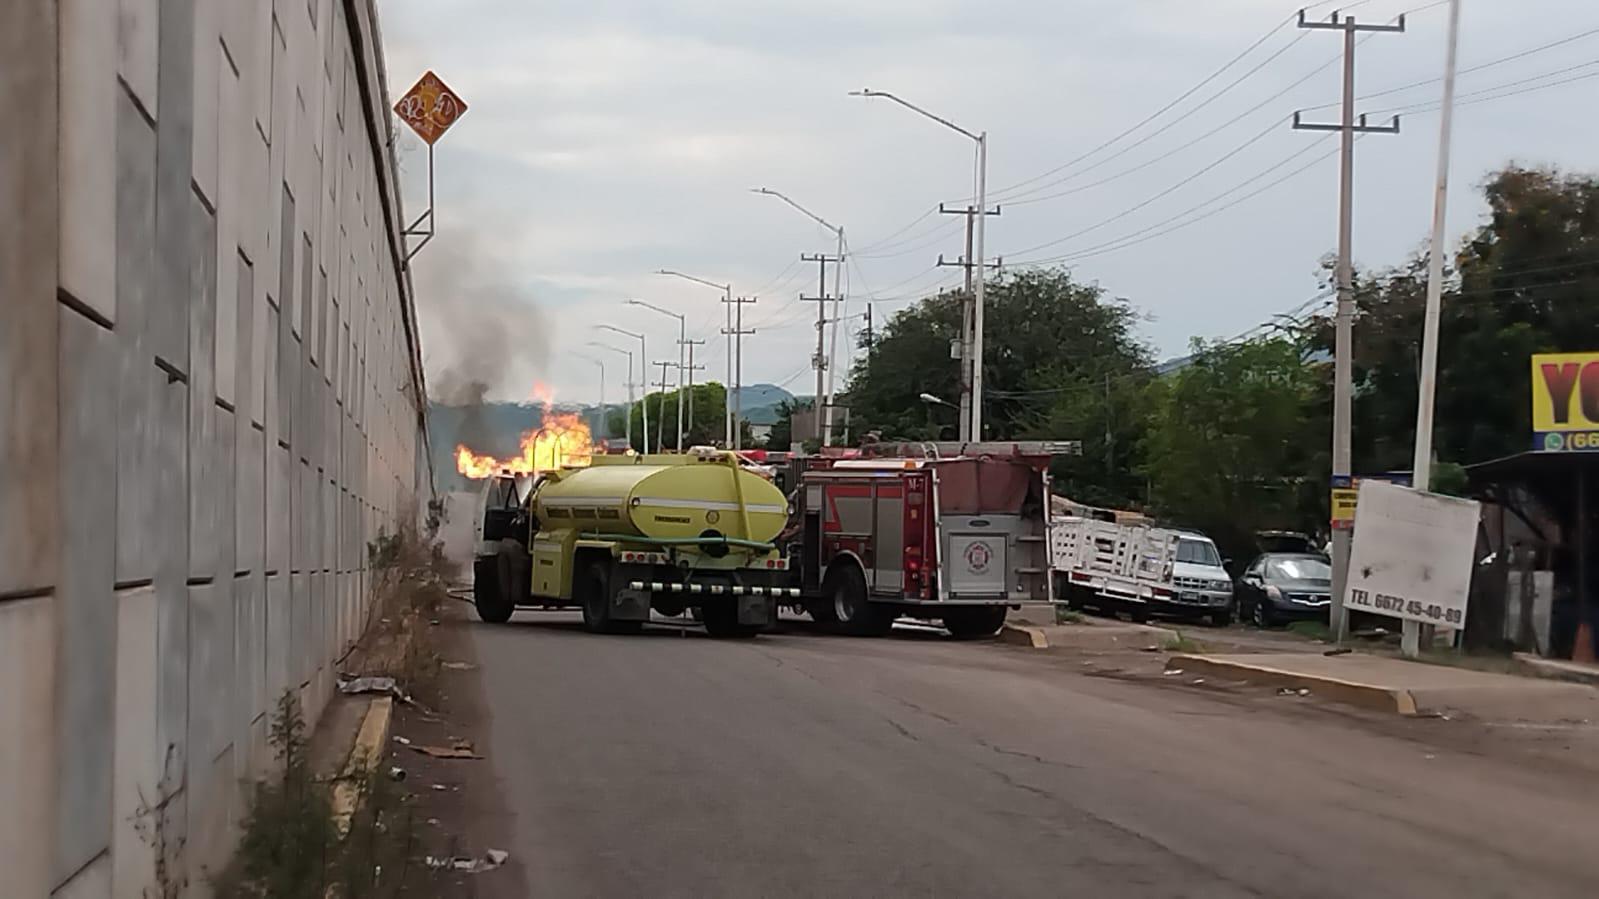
(668, 764)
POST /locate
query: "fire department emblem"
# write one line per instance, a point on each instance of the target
(978, 555)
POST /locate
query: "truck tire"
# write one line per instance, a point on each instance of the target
(594, 592)
(491, 580)
(721, 622)
(974, 622)
(853, 612)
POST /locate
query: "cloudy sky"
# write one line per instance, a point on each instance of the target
(610, 138)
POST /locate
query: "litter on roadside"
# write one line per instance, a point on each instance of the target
(1199, 680)
(356, 685)
(1173, 671)
(462, 750)
(396, 773)
(403, 741)
(458, 666)
(490, 860)
(1304, 691)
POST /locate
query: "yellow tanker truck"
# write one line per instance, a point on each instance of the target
(629, 534)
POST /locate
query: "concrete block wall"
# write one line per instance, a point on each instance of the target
(209, 404)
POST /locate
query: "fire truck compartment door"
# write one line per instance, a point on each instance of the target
(976, 565)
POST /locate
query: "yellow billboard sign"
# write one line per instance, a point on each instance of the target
(1343, 507)
(1565, 401)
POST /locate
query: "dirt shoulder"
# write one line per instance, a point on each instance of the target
(459, 801)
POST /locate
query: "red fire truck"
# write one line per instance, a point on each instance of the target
(947, 531)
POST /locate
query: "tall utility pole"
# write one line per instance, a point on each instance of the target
(1421, 464)
(627, 419)
(978, 303)
(682, 336)
(967, 304)
(644, 375)
(690, 369)
(737, 333)
(1343, 386)
(825, 408)
(660, 426)
(819, 361)
(727, 298)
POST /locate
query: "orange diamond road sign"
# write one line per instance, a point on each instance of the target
(430, 107)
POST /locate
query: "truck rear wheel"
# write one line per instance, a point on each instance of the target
(492, 578)
(853, 612)
(594, 591)
(973, 622)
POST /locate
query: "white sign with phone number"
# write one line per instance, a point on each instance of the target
(1413, 554)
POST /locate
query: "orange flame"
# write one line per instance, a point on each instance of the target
(563, 441)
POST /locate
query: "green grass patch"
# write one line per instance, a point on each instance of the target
(1311, 630)
(291, 847)
(1178, 642)
(1068, 616)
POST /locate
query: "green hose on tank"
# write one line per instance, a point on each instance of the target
(683, 541)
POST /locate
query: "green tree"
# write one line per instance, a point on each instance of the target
(1231, 438)
(708, 426)
(1522, 283)
(1051, 346)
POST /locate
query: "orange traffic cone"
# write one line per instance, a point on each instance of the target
(1583, 651)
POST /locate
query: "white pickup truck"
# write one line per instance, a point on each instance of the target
(1139, 569)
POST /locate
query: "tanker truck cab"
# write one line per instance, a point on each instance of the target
(628, 535)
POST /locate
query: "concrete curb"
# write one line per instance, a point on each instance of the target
(1021, 635)
(365, 755)
(1556, 669)
(1367, 696)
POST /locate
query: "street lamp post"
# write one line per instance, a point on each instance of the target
(728, 402)
(682, 341)
(972, 353)
(627, 420)
(826, 410)
(643, 354)
(932, 401)
(604, 432)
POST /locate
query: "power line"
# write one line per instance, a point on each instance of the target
(1476, 68)
(1269, 129)
(1157, 113)
(1119, 244)
(914, 222)
(1012, 191)
(937, 235)
(1134, 238)
(1493, 93)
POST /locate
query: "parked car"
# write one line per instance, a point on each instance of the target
(1282, 587)
(1203, 588)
